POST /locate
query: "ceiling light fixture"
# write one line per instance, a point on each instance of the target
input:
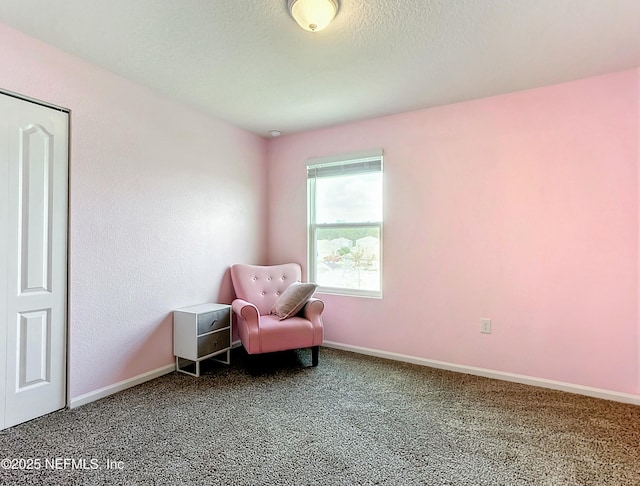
(313, 15)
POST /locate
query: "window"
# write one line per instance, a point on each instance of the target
(345, 223)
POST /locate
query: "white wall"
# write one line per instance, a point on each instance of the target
(162, 200)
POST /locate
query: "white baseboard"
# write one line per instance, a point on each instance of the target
(498, 375)
(121, 385)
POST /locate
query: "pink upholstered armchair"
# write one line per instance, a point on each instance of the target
(257, 288)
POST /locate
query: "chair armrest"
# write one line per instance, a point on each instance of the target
(313, 309)
(248, 325)
(313, 312)
(247, 311)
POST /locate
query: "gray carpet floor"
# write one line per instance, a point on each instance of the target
(352, 420)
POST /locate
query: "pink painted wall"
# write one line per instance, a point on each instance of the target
(522, 208)
(162, 200)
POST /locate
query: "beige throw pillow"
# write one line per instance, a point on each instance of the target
(293, 299)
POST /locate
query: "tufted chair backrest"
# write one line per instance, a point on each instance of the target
(262, 285)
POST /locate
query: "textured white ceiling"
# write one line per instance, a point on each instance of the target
(248, 62)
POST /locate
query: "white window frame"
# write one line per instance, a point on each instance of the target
(352, 159)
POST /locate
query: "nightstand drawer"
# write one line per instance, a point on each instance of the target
(216, 341)
(211, 321)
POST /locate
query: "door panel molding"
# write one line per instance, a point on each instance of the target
(35, 183)
(33, 362)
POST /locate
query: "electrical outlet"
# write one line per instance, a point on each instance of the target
(485, 325)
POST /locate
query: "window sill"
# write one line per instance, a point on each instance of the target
(367, 294)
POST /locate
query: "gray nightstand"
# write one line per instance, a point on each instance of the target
(201, 332)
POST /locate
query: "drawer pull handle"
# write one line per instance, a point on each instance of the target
(214, 321)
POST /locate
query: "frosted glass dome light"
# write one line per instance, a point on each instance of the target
(313, 15)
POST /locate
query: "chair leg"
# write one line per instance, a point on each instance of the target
(253, 365)
(315, 351)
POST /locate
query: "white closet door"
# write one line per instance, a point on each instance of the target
(4, 224)
(36, 154)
